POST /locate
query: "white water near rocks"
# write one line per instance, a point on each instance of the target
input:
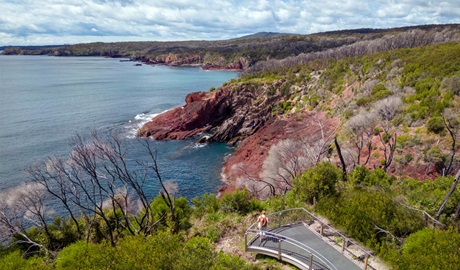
(44, 101)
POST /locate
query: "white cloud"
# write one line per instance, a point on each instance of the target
(73, 21)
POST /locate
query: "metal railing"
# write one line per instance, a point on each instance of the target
(305, 256)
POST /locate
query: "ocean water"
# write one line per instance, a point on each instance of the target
(45, 101)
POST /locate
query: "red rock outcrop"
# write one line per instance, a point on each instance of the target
(229, 115)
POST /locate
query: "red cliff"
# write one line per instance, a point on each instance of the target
(230, 115)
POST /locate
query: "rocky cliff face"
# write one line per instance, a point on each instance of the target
(230, 115)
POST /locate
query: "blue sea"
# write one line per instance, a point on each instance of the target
(45, 101)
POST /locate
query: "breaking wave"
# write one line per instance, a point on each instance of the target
(137, 122)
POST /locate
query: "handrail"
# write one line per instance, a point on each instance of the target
(345, 240)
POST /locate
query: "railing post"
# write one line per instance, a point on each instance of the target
(245, 242)
(366, 258)
(310, 266)
(321, 232)
(344, 243)
(279, 220)
(279, 249)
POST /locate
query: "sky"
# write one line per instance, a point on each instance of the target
(45, 22)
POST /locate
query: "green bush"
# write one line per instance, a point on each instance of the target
(239, 202)
(318, 182)
(435, 124)
(14, 260)
(377, 88)
(207, 203)
(359, 175)
(428, 195)
(361, 212)
(159, 251)
(431, 249)
(382, 94)
(196, 254)
(434, 155)
(182, 212)
(82, 255)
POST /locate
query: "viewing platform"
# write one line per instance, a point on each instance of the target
(298, 237)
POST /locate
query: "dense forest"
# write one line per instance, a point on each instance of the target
(385, 176)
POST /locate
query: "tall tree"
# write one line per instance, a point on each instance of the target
(385, 112)
(360, 131)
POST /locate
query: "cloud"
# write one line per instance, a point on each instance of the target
(74, 21)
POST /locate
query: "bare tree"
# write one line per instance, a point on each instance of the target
(443, 204)
(53, 177)
(260, 187)
(20, 209)
(385, 112)
(289, 158)
(360, 131)
(341, 158)
(97, 182)
(284, 162)
(452, 124)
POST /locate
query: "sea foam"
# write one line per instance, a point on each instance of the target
(137, 122)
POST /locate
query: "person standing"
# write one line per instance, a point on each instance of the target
(262, 224)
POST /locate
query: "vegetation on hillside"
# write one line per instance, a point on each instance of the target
(398, 109)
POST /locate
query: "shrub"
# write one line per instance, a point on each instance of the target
(14, 260)
(359, 175)
(362, 175)
(382, 94)
(239, 202)
(317, 182)
(205, 204)
(82, 255)
(434, 155)
(182, 212)
(361, 212)
(431, 249)
(435, 124)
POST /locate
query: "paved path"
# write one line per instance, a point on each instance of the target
(304, 235)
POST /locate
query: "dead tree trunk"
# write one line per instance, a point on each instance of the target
(452, 189)
(342, 160)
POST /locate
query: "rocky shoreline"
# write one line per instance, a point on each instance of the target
(191, 60)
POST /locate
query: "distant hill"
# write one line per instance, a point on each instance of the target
(265, 35)
(32, 47)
